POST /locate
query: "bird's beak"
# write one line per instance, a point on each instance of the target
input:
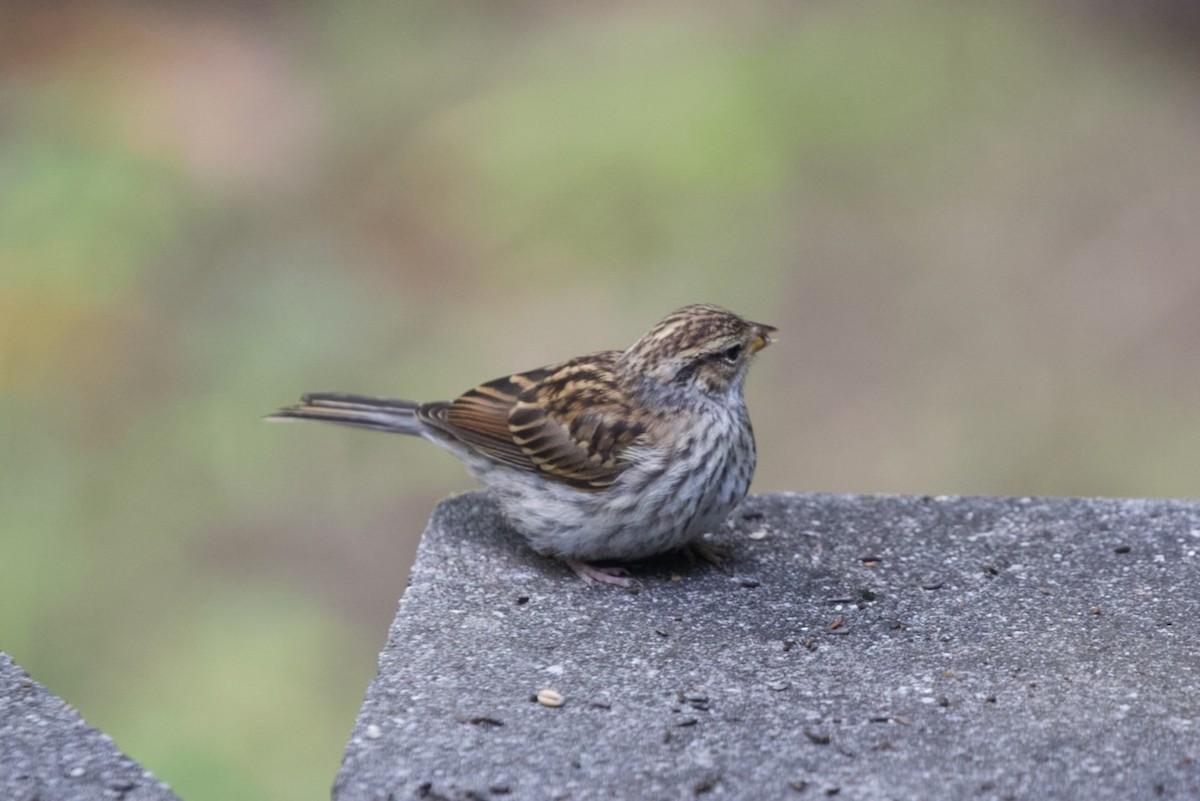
(762, 336)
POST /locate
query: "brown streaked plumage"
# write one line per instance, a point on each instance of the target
(612, 455)
(567, 423)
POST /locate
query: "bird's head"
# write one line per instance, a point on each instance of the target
(702, 347)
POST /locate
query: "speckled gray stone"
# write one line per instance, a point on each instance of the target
(47, 752)
(859, 647)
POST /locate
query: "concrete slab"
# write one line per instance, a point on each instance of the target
(47, 752)
(859, 647)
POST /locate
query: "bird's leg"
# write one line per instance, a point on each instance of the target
(591, 574)
(701, 551)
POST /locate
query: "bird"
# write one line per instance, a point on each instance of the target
(613, 456)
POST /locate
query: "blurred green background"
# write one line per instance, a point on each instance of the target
(976, 225)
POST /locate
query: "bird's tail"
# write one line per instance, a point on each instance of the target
(380, 414)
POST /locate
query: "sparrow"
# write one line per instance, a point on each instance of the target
(611, 456)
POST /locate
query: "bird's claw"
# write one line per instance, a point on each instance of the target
(594, 574)
(701, 551)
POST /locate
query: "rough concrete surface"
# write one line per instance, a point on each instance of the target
(47, 752)
(857, 647)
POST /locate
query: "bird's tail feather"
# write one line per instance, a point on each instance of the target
(380, 414)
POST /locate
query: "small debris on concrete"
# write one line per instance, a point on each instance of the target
(484, 720)
(818, 737)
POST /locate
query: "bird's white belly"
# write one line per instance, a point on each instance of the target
(659, 504)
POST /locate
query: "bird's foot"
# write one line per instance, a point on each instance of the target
(701, 551)
(593, 574)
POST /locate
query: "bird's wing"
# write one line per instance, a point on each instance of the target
(479, 417)
(577, 423)
(569, 422)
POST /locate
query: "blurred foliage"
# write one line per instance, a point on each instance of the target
(973, 223)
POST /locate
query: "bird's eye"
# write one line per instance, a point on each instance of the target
(732, 354)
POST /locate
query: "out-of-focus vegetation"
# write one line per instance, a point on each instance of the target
(974, 224)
